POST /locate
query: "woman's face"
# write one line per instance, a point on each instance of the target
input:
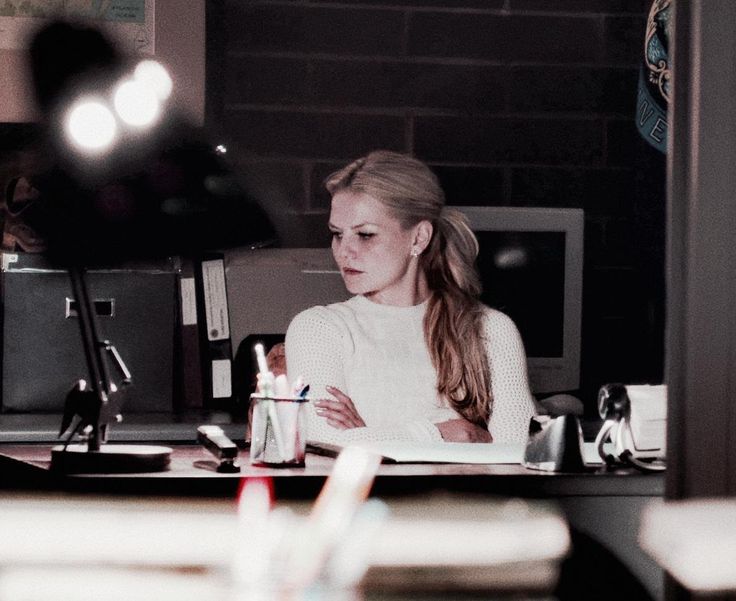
(372, 250)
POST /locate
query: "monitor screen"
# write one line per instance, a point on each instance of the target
(531, 263)
(515, 267)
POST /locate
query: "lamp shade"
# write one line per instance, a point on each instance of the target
(149, 191)
(178, 198)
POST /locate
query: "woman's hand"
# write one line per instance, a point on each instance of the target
(461, 430)
(339, 413)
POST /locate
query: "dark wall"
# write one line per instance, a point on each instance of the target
(512, 102)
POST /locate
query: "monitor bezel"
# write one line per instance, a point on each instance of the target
(548, 374)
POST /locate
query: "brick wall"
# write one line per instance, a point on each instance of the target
(512, 103)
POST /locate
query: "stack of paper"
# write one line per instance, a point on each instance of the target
(649, 417)
(451, 543)
(449, 452)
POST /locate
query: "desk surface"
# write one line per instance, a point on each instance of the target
(192, 471)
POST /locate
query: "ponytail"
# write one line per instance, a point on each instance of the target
(453, 323)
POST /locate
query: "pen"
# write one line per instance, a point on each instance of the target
(351, 559)
(267, 380)
(253, 557)
(335, 508)
(298, 389)
(262, 365)
(297, 386)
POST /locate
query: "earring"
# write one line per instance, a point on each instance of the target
(414, 251)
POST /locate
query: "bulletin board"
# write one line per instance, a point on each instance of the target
(171, 30)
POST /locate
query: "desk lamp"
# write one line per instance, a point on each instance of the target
(127, 180)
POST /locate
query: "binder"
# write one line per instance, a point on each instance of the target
(214, 333)
(189, 395)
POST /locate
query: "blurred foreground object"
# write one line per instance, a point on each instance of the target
(693, 542)
(126, 176)
(438, 545)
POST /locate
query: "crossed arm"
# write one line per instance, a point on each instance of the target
(334, 417)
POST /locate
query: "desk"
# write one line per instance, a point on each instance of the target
(192, 471)
(604, 506)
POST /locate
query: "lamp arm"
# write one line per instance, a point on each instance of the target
(96, 366)
(122, 368)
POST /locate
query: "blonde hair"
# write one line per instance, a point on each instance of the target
(453, 324)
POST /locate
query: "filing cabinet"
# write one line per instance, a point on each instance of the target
(42, 352)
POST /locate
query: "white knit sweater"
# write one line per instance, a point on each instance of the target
(376, 354)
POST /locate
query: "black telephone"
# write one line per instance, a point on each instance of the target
(635, 418)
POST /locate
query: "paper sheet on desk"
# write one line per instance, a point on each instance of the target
(452, 452)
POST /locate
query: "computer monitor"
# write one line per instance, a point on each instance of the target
(531, 266)
(267, 287)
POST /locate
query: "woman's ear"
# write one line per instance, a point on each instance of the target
(422, 235)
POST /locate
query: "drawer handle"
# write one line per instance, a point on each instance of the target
(104, 307)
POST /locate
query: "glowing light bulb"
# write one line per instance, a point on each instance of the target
(136, 104)
(155, 76)
(91, 126)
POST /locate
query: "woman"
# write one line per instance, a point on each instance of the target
(413, 355)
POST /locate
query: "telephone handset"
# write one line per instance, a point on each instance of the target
(635, 418)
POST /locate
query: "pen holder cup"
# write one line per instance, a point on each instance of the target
(278, 431)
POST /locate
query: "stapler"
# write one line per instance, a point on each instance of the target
(225, 450)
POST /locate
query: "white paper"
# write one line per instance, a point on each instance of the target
(461, 452)
(8, 260)
(449, 452)
(649, 417)
(215, 299)
(188, 302)
(131, 24)
(221, 379)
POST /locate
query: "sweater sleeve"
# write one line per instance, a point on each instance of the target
(316, 347)
(513, 404)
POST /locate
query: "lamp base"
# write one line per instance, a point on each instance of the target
(110, 459)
